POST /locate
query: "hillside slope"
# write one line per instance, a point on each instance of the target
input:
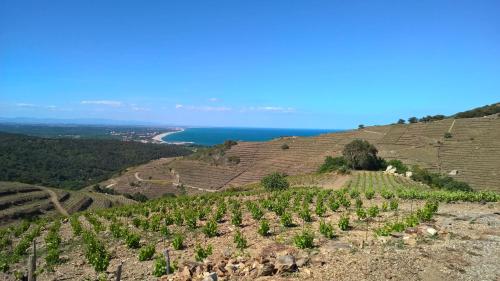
(473, 150)
(25, 201)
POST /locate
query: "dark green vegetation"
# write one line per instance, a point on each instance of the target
(73, 163)
(476, 112)
(361, 155)
(275, 181)
(215, 154)
(332, 164)
(400, 167)
(438, 181)
(82, 131)
(480, 111)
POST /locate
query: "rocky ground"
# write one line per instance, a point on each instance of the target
(466, 246)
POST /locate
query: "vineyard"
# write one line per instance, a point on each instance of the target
(472, 152)
(244, 235)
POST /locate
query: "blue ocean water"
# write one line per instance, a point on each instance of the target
(212, 136)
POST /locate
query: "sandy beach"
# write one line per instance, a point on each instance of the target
(159, 138)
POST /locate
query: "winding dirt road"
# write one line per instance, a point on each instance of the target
(55, 201)
(137, 177)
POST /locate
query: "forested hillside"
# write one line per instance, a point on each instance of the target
(480, 111)
(73, 163)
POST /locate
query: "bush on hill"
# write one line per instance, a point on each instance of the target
(214, 154)
(400, 167)
(438, 181)
(430, 118)
(332, 164)
(412, 120)
(480, 111)
(275, 181)
(361, 155)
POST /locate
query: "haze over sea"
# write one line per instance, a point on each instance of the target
(212, 136)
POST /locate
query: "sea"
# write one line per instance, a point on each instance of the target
(213, 136)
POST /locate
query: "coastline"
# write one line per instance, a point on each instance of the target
(159, 138)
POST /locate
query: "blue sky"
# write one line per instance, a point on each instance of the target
(302, 64)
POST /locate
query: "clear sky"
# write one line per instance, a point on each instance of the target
(303, 64)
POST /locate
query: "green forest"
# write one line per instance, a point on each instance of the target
(73, 163)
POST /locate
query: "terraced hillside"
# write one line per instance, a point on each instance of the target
(473, 150)
(18, 201)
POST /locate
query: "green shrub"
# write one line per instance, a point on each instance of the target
(146, 252)
(264, 228)
(241, 242)
(400, 167)
(369, 194)
(344, 223)
(75, 225)
(332, 164)
(284, 146)
(233, 159)
(255, 211)
(190, 219)
(275, 181)
(354, 194)
(373, 211)
(133, 240)
(116, 230)
(52, 242)
(334, 205)
(326, 229)
(361, 213)
(359, 203)
(237, 218)
(202, 253)
(160, 266)
(385, 206)
(286, 220)
(220, 212)
(95, 252)
(165, 232)
(210, 229)
(394, 204)
(178, 241)
(320, 208)
(345, 202)
(305, 214)
(438, 181)
(178, 218)
(387, 194)
(304, 240)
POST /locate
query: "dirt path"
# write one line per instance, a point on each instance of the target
(198, 188)
(338, 182)
(373, 132)
(113, 183)
(55, 201)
